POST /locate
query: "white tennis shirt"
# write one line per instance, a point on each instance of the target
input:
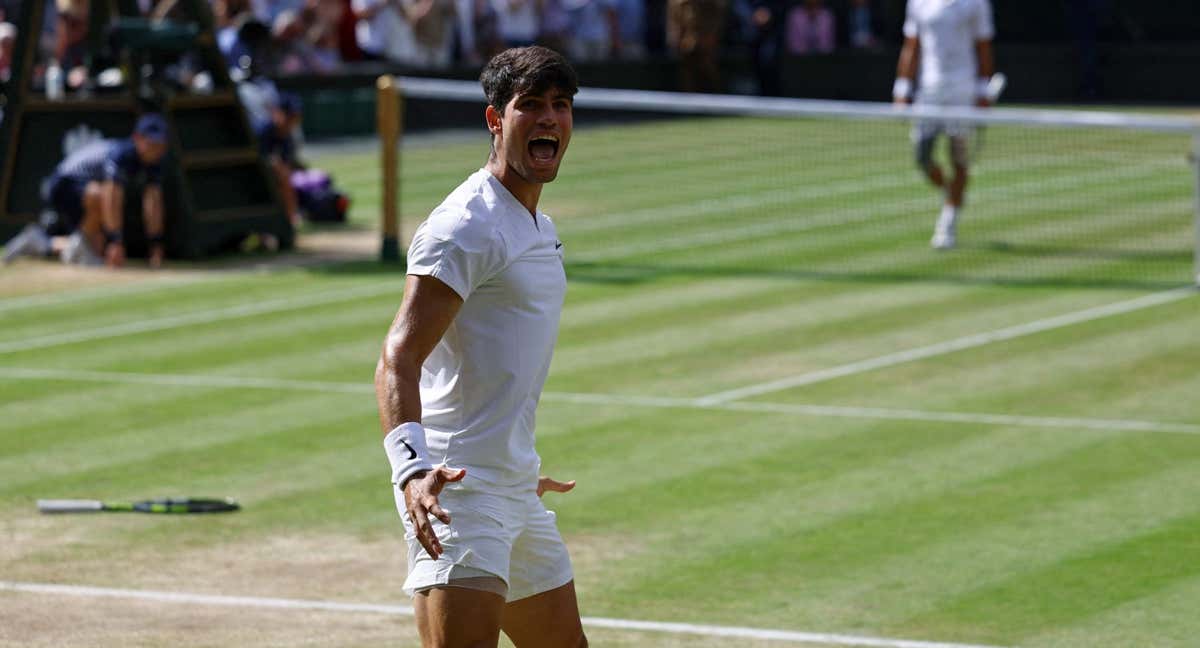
(948, 30)
(481, 384)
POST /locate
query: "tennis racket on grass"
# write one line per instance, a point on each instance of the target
(189, 505)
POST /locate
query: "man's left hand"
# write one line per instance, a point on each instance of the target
(548, 484)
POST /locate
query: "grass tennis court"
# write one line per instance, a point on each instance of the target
(783, 410)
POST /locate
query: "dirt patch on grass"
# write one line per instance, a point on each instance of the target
(39, 620)
(322, 247)
(308, 566)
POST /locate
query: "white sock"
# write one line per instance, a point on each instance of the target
(948, 218)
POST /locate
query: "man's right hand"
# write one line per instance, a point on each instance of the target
(421, 500)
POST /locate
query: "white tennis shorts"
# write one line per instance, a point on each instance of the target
(946, 97)
(506, 532)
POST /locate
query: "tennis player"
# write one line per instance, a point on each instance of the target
(461, 373)
(953, 39)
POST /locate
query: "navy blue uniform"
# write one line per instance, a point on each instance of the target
(270, 142)
(101, 160)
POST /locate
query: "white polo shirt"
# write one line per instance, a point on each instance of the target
(480, 386)
(948, 30)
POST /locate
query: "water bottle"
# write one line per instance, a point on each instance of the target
(54, 81)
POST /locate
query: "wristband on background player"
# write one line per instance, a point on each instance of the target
(902, 89)
(983, 88)
(406, 451)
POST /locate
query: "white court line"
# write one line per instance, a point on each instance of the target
(597, 622)
(950, 346)
(835, 411)
(203, 317)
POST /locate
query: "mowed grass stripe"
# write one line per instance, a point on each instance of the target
(851, 544)
(1169, 612)
(231, 291)
(811, 340)
(1076, 588)
(195, 317)
(764, 534)
(324, 333)
(730, 325)
(89, 458)
(191, 330)
(1097, 368)
(860, 250)
(705, 204)
(853, 249)
(901, 587)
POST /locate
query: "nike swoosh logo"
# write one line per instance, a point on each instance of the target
(412, 454)
(557, 245)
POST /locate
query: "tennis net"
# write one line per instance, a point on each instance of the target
(661, 183)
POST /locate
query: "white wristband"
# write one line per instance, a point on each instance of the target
(406, 451)
(902, 89)
(982, 91)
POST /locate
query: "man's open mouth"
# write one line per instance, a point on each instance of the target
(543, 148)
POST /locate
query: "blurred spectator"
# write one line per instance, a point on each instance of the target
(226, 13)
(348, 49)
(433, 30)
(694, 29)
(555, 29)
(243, 44)
(323, 35)
(268, 11)
(296, 44)
(277, 146)
(8, 39)
(766, 43)
(630, 41)
(594, 29)
(70, 41)
(485, 28)
(862, 32)
(383, 31)
(516, 21)
(810, 29)
(86, 196)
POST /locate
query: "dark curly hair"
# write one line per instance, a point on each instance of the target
(526, 70)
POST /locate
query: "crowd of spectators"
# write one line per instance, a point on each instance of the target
(319, 36)
(281, 37)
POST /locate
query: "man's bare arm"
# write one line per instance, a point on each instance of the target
(987, 65)
(428, 308)
(906, 69)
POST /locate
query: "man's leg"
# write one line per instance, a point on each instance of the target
(546, 620)
(945, 235)
(457, 617)
(152, 222)
(92, 224)
(287, 193)
(111, 206)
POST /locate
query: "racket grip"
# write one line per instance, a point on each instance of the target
(69, 506)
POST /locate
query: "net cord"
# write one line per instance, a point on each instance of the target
(709, 104)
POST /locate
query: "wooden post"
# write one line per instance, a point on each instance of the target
(389, 114)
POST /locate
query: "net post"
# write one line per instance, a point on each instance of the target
(389, 116)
